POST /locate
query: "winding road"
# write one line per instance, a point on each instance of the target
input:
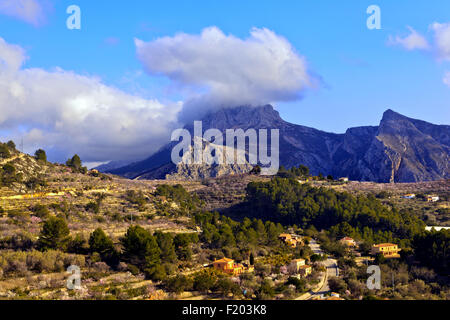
(332, 271)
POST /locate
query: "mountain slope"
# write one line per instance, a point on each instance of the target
(400, 149)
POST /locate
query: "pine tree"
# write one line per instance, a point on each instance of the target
(55, 234)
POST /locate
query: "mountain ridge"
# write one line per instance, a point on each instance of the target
(399, 149)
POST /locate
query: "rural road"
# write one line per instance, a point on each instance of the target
(332, 271)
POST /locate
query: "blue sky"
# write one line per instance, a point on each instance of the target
(361, 74)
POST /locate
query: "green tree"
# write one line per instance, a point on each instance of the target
(167, 247)
(55, 234)
(74, 162)
(182, 243)
(76, 165)
(40, 155)
(100, 242)
(140, 248)
(252, 259)
(11, 145)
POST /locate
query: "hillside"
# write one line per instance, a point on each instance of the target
(190, 238)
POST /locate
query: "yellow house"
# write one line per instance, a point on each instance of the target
(295, 265)
(228, 266)
(388, 250)
(305, 270)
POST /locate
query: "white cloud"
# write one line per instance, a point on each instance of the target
(442, 39)
(446, 78)
(71, 113)
(414, 41)
(30, 11)
(225, 70)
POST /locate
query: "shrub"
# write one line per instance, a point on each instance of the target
(178, 284)
(337, 285)
(40, 211)
(156, 273)
(205, 280)
(4, 151)
(78, 245)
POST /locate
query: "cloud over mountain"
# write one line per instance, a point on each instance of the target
(224, 70)
(68, 113)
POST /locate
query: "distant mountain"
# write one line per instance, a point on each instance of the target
(111, 165)
(400, 149)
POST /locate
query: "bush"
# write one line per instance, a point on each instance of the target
(156, 273)
(21, 262)
(225, 286)
(78, 245)
(4, 151)
(19, 241)
(300, 284)
(337, 285)
(8, 175)
(205, 280)
(40, 211)
(178, 284)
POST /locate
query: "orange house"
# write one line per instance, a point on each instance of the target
(285, 236)
(290, 240)
(347, 241)
(229, 266)
(388, 250)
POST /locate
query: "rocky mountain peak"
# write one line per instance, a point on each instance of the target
(390, 114)
(400, 149)
(242, 117)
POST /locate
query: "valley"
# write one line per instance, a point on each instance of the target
(185, 226)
